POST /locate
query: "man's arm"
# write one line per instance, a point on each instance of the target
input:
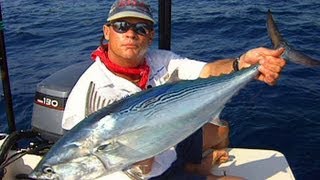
(270, 60)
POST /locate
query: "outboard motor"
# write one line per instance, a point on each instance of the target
(50, 100)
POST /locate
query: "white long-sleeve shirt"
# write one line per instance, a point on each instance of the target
(165, 66)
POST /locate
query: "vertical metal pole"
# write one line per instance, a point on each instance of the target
(165, 24)
(5, 79)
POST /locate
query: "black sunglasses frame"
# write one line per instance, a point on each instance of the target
(139, 28)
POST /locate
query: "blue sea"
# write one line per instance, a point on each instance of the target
(43, 37)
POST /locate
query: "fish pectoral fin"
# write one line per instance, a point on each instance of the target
(117, 148)
(115, 153)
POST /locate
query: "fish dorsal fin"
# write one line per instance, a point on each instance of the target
(89, 99)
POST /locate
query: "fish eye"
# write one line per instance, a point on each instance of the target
(47, 170)
(109, 146)
(103, 147)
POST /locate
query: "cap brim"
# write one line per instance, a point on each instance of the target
(130, 14)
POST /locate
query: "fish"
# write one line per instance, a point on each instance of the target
(290, 53)
(142, 125)
(139, 126)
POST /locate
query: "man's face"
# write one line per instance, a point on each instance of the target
(128, 45)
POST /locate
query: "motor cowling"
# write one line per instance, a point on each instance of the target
(50, 100)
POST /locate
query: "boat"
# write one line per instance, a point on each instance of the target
(249, 163)
(17, 160)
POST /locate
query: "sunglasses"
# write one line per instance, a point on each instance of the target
(123, 26)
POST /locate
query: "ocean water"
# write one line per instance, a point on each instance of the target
(43, 37)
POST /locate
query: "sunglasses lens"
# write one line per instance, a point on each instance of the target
(139, 28)
(142, 29)
(121, 27)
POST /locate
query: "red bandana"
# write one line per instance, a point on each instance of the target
(143, 70)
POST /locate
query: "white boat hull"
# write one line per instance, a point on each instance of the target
(256, 164)
(251, 164)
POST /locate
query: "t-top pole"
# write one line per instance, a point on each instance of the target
(5, 79)
(164, 24)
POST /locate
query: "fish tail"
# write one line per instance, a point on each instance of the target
(290, 54)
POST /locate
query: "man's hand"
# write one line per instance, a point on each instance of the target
(270, 60)
(145, 166)
(205, 167)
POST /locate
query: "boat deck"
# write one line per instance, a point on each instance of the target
(251, 164)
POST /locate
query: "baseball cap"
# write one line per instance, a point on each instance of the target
(130, 8)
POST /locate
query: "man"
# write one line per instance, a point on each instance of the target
(125, 65)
